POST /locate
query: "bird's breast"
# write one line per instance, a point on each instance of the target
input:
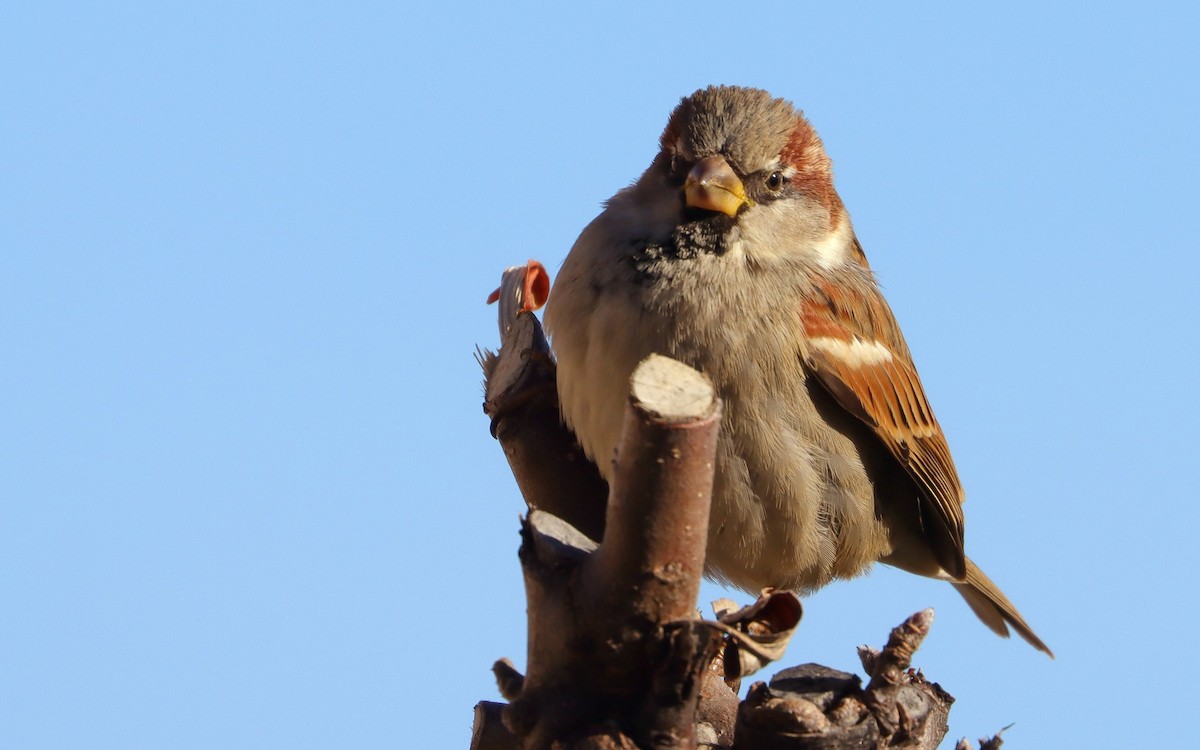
(793, 506)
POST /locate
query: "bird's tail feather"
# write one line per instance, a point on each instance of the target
(994, 608)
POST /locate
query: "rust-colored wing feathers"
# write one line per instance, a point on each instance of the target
(857, 352)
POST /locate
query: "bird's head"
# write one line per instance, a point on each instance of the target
(741, 165)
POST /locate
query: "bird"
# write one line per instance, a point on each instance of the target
(733, 253)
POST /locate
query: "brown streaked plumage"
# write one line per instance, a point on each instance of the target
(887, 395)
(733, 253)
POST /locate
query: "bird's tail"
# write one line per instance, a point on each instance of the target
(994, 608)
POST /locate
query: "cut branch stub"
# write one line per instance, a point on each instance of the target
(657, 521)
(615, 647)
(812, 707)
(551, 469)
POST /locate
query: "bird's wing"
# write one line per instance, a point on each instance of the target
(857, 352)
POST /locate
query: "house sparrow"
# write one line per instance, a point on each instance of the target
(734, 254)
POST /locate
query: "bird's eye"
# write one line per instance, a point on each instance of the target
(775, 181)
(676, 167)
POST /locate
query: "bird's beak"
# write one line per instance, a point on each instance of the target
(714, 186)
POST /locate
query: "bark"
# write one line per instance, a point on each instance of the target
(616, 654)
(551, 469)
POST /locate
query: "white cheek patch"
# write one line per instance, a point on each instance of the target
(834, 250)
(856, 353)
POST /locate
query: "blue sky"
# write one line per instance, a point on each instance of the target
(247, 494)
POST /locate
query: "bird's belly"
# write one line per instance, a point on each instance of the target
(793, 507)
(792, 503)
